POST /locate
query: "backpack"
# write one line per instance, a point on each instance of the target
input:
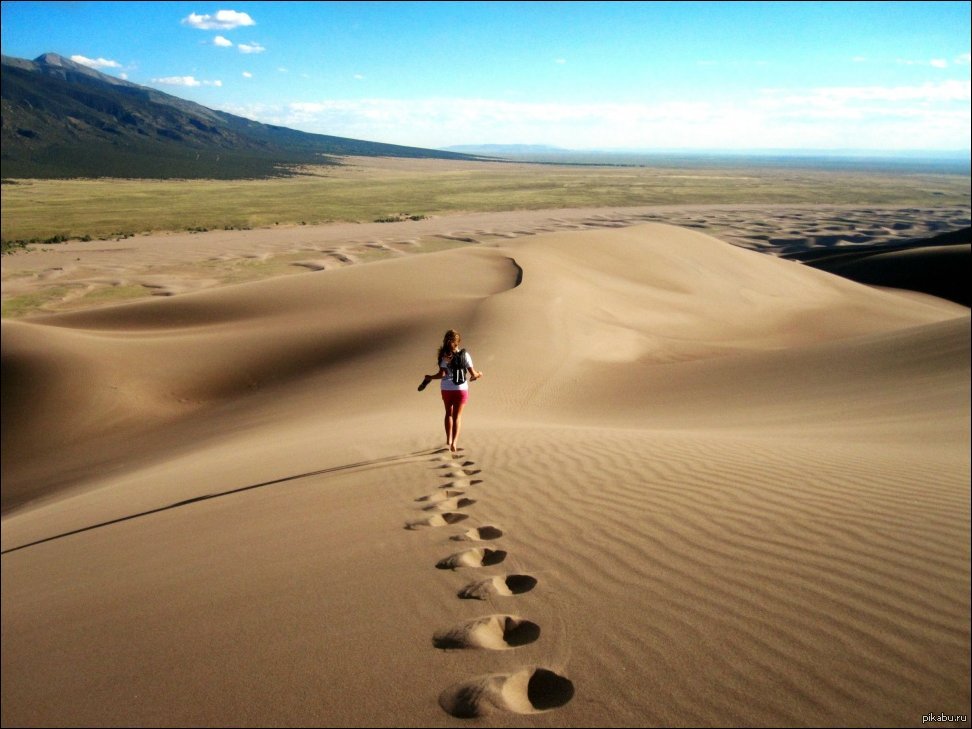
(457, 367)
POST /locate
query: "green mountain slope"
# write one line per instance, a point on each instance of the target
(61, 119)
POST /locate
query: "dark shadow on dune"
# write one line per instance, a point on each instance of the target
(206, 497)
(519, 272)
(938, 265)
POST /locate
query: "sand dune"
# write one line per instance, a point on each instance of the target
(699, 485)
(937, 270)
(81, 274)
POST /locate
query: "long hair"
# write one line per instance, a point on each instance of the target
(449, 338)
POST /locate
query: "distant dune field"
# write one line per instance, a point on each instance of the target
(698, 484)
(80, 274)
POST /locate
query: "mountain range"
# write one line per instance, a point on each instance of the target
(62, 119)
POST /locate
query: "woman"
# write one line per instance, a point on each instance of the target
(454, 365)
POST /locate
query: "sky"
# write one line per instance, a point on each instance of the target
(889, 76)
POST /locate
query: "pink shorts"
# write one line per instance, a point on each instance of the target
(455, 397)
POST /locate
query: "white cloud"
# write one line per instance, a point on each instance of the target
(963, 60)
(560, 61)
(177, 81)
(930, 116)
(223, 20)
(247, 74)
(934, 62)
(359, 77)
(184, 81)
(251, 48)
(95, 62)
(222, 42)
(943, 91)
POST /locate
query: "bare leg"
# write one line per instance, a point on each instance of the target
(456, 425)
(447, 423)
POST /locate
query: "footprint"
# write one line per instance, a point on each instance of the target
(479, 534)
(458, 502)
(437, 520)
(528, 691)
(454, 464)
(460, 472)
(464, 483)
(493, 632)
(506, 586)
(440, 496)
(472, 558)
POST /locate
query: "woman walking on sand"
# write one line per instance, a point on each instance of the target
(455, 371)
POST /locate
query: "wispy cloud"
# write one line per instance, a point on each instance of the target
(184, 81)
(933, 62)
(963, 60)
(222, 42)
(247, 74)
(250, 48)
(95, 62)
(943, 91)
(836, 117)
(222, 20)
(560, 61)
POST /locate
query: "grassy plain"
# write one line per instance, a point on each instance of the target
(370, 189)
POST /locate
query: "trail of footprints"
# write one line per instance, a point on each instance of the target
(530, 690)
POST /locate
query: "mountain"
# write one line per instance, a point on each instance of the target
(62, 119)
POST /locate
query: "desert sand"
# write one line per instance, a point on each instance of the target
(168, 264)
(697, 485)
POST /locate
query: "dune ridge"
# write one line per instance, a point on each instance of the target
(698, 484)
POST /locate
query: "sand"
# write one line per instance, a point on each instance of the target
(697, 485)
(80, 274)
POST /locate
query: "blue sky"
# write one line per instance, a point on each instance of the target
(580, 75)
